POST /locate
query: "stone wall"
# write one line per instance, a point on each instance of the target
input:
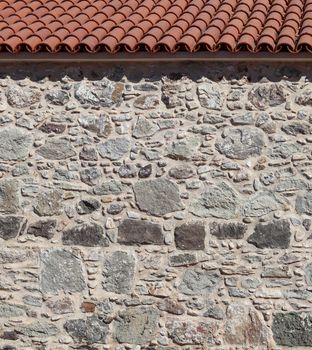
(155, 207)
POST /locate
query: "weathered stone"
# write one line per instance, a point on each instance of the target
(88, 206)
(57, 97)
(183, 149)
(131, 232)
(13, 256)
(9, 196)
(119, 268)
(157, 197)
(114, 149)
(241, 143)
(145, 171)
(22, 97)
(304, 203)
(100, 125)
(171, 306)
(232, 230)
(11, 310)
(199, 282)
(182, 259)
(190, 236)
(55, 128)
(147, 102)
(308, 274)
(103, 93)
(214, 311)
(144, 128)
(61, 306)
(292, 329)
(295, 128)
(88, 235)
(49, 203)
(136, 326)
(57, 149)
(14, 144)
(88, 153)
(181, 172)
(90, 330)
(42, 228)
(304, 98)
(286, 150)
(219, 201)
(209, 96)
(127, 171)
(263, 203)
(115, 208)
(10, 226)
(60, 271)
(90, 176)
(38, 329)
(275, 234)
(267, 95)
(108, 187)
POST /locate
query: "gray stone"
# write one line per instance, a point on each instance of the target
(286, 150)
(22, 97)
(13, 256)
(38, 329)
(183, 149)
(114, 149)
(88, 153)
(136, 326)
(57, 97)
(145, 171)
(219, 201)
(157, 197)
(214, 311)
(292, 329)
(10, 226)
(55, 128)
(49, 203)
(308, 274)
(86, 234)
(103, 93)
(119, 268)
(14, 144)
(304, 98)
(263, 203)
(182, 172)
(57, 149)
(90, 330)
(9, 196)
(144, 128)
(61, 306)
(190, 236)
(108, 187)
(100, 125)
(115, 208)
(88, 206)
(90, 176)
(267, 95)
(199, 282)
(42, 228)
(132, 232)
(182, 259)
(231, 230)
(241, 143)
(127, 171)
(11, 310)
(60, 271)
(171, 306)
(250, 282)
(209, 96)
(275, 234)
(147, 102)
(304, 203)
(296, 128)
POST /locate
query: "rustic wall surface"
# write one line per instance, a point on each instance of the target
(156, 207)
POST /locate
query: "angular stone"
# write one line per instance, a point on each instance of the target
(114, 149)
(147, 102)
(90, 176)
(183, 149)
(127, 171)
(190, 236)
(308, 274)
(42, 228)
(219, 201)
(214, 311)
(55, 128)
(136, 326)
(304, 98)
(38, 329)
(61, 306)
(199, 282)
(57, 149)
(304, 203)
(171, 306)
(157, 197)
(231, 230)
(14, 144)
(115, 208)
(241, 143)
(292, 329)
(145, 171)
(13, 256)
(132, 232)
(88, 153)
(263, 203)
(10, 226)
(57, 97)
(100, 125)
(90, 330)
(286, 150)
(182, 259)
(209, 96)
(119, 268)
(267, 95)
(275, 234)
(22, 97)
(49, 203)
(60, 271)
(11, 310)
(108, 187)
(103, 93)
(86, 234)
(88, 206)
(182, 172)
(144, 128)
(9, 196)
(296, 128)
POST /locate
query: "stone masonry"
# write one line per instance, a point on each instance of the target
(155, 206)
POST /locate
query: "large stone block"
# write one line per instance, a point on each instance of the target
(190, 236)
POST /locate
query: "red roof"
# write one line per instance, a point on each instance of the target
(155, 25)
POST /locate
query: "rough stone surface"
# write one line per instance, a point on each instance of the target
(49, 203)
(267, 95)
(57, 149)
(88, 235)
(9, 196)
(304, 203)
(114, 149)
(210, 96)
(190, 236)
(10, 226)
(22, 97)
(14, 144)
(199, 282)
(230, 230)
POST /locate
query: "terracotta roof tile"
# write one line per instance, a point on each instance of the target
(155, 25)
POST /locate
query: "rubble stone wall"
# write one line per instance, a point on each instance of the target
(155, 206)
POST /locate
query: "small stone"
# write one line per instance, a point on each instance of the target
(9, 196)
(304, 203)
(232, 230)
(296, 128)
(181, 172)
(114, 149)
(267, 95)
(57, 149)
(144, 128)
(119, 268)
(209, 96)
(145, 171)
(127, 171)
(190, 236)
(49, 203)
(183, 149)
(61, 306)
(42, 228)
(275, 234)
(87, 235)
(11, 310)
(57, 97)
(22, 97)
(199, 282)
(98, 124)
(147, 102)
(286, 150)
(55, 128)
(304, 98)
(108, 187)
(90, 176)
(214, 311)
(15, 144)
(88, 206)
(88, 153)
(38, 329)
(308, 274)
(157, 197)
(10, 226)
(171, 306)
(182, 259)
(115, 208)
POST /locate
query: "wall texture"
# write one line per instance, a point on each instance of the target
(156, 207)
